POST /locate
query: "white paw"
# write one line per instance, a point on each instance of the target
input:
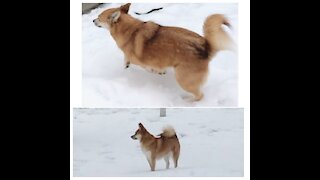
(188, 98)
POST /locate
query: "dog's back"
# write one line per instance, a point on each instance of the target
(173, 46)
(150, 44)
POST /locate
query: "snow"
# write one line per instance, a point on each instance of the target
(211, 142)
(105, 82)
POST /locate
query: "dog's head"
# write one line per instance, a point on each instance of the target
(139, 132)
(110, 16)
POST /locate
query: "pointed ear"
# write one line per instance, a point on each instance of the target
(125, 8)
(141, 126)
(115, 16)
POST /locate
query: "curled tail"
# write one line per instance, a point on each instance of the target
(168, 132)
(213, 32)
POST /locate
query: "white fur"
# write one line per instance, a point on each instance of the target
(138, 136)
(166, 159)
(98, 23)
(115, 16)
(168, 131)
(146, 153)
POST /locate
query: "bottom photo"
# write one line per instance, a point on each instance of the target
(158, 142)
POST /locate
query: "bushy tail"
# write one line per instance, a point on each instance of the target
(168, 132)
(215, 35)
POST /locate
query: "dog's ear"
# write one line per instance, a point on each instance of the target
(141, 126)
(115, 16)
(125, 8)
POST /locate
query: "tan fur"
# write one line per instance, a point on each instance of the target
(157, 47)
(165, 146)
(213, 32)
(168, 131)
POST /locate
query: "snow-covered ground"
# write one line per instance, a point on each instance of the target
(107, 84)
(211, 142)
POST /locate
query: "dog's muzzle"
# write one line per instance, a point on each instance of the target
(133, 137)
(96, 22)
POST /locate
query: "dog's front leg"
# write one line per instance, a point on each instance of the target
(162, 72)
(149, 161)
(153, 162)
(126, 63)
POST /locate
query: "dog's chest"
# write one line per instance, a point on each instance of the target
(146, 152)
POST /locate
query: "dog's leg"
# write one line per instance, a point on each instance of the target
(153, 162)
(175, 160)
(166, 159)
(175, 163)
(126, 63)
(188, 97)
(149, 161)
(191, 79)
(198, 95)
(175, 156)
(148, 156)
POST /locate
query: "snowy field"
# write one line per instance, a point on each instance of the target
(211, 142)
(105, 82)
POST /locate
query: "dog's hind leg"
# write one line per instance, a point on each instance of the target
(175, 156)
(166, 159)
(175, 159)
(191, 79)
(153, 162)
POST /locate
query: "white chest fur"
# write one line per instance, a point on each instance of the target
(146, 153)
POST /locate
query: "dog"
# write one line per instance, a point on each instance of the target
(165, 146)
(156, 47)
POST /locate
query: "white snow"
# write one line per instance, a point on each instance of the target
(107, 84)
(211, 142)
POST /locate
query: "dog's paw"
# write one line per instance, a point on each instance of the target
(162, 73)
(151, 70)
(127, 65)
(188, 98)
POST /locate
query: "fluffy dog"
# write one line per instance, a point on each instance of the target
(156, 47)
(165, 146)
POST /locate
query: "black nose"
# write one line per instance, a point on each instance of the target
(93, 20)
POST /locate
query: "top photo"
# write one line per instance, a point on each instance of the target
(159, 55)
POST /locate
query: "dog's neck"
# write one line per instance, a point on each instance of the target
(123, 30)
(146, 137)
